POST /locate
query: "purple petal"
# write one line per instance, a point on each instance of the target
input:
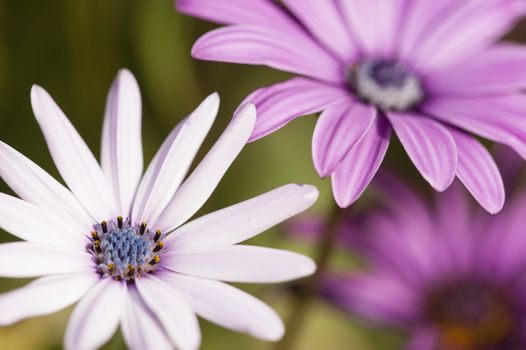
(429, 145)
(287, 51)
(337, 131)
(500, 67)
(324, 21)
(419, 21)
(382, 299)
(478, 172)
(280, 103)
(373, 23)
(394, 192)
(452, 207)
(472, 26)
(454, 223)
(305, 228)
(505, 252)
(510, 164)
(403, 243)
(423, 339)
(258, 12)
(501, 118)
(357, 169)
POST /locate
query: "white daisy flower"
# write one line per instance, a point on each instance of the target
(117, 240)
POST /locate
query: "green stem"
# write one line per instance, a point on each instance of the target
(302, 301)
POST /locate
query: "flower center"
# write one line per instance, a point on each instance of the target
(471, 315)
(387, 84)
(124, 251)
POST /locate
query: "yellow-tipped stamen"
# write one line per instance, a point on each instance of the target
(158, 247)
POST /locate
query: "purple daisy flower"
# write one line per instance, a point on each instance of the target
(119, 241)
(430, 71)
(454, 278)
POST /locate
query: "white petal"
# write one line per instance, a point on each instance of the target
(194, 192)
(169, 166)
(44, 296)
(72, 157)
(244, 220)
(31, 223)
(149, 179)
(140, 328)
(33, 184)
(33, 259)
(121, 151)
(97, 316)
(240, 263)
(228, 306)
(176, 315)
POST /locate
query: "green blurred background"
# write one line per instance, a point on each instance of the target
(73, 48)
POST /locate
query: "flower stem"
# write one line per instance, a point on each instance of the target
(302, 301)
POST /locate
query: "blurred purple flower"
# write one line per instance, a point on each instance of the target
(453, 277)
(429, 70)
(119, 242)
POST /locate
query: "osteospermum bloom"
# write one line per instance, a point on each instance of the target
(429, 70)
(451, 277)
(117, 240)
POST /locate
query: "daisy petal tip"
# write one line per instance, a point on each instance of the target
(124, 72)
(37, 94)
(341, 200)
(307, 268)
(194, 344)
(493, 205)
(319, 165)
(203, 48)
(248, 111)
(126, 76)
(342, 204)
(209, 106)
(310, 192)
(440, 186)
(248, 108)
(213, 100)
(41, 102)
(214, 95)
(494, 208)
(197, 51)
(324, 171)
(440, 183)
(277, 332)
(35, 88)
